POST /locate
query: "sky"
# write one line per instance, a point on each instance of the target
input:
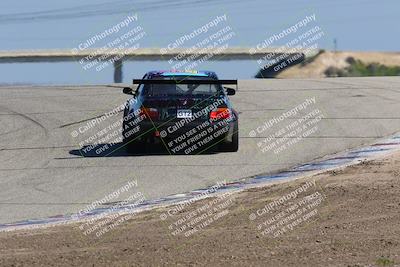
(356, 24)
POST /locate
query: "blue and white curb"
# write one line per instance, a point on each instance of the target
(339, 160)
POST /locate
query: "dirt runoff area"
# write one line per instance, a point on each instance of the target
(346, 217)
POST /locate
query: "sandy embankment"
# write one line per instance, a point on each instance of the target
(316, 68)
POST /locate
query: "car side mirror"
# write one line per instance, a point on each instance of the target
(128, 91)
(230, 91)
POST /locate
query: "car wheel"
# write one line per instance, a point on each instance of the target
(133, 146)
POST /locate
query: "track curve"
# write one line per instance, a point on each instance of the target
(43, 171)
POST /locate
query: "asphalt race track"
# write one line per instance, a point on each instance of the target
(44, 172)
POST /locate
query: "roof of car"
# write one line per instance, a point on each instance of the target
(191, 73)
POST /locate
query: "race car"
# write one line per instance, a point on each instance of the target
(186, 112)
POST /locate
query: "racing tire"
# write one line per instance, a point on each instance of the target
(134, 146)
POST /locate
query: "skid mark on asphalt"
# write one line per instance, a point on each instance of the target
(26, 117)
(84, 120)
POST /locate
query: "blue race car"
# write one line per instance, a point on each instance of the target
(186, 112)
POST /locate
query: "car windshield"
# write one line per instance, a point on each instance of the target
(181, 89)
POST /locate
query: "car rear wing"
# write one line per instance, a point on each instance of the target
(188, 81)
(229, 91)
(184, 81)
